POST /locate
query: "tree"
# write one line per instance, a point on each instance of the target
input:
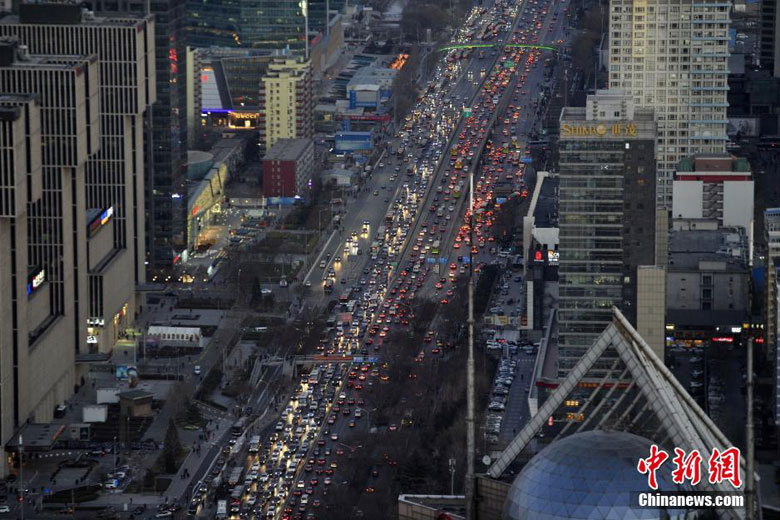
(171, 448)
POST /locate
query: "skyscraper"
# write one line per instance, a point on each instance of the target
(607, 211)
(43, 272)
(114, 174)
(769, 43)
(267, 24)
(166, 182)
(672, 56)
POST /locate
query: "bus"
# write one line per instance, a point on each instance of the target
(389, 217)
(435, 247)
(458, 164)
(314, 376)
(239, 426)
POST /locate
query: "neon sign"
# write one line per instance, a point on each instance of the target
(35, 281)
(99, 221)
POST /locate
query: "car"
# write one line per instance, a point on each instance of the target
(334, 436)
(164, 514)
(5, 509)
(196, 370)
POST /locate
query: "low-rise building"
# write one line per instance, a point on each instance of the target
(288, 168)
(707, 286)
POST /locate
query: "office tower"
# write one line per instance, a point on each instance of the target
(769, 43)
(114, 179)
(48, 138)
(267, 24)
(166, 182)
(286, 102)
(607, 212)
(672, 56)
(20, 133)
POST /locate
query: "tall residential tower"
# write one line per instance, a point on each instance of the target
(672, 55)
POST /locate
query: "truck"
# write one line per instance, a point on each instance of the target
(380, 233)
(254, 444)
(328, 286)
(221, 510)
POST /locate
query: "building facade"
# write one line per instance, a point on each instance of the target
(115, 172)
(166, 139)
(43, 271)
(606, 211)
(715, 187)
(288, 168)
(263, 24)
(769, 44)
(672, 55)
(286, 102)
(772, 236)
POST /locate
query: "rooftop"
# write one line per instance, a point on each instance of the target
(134, 395)
(689, 247)
(287, 149)
(68, 14)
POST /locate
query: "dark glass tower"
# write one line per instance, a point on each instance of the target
(166, 141)
(268, 24)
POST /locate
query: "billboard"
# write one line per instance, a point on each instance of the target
(352, 141)
(744, 126)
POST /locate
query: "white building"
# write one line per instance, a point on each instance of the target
(672, 55)
(714, 187)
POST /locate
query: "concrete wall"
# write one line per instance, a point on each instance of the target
(687, 199)
(651, 306)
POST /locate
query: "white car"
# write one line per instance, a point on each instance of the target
(5, 509)
(196, 370)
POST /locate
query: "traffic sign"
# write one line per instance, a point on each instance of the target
(500, 200)
(467, 111)
(466, 260)
(443, 260)
(357, 359)
(430, 260)
(526, 160)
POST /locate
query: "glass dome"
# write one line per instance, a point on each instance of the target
(590, 475)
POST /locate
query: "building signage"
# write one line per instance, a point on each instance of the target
(599, 130)
(552, 256)
(99, 221)
(35, 280)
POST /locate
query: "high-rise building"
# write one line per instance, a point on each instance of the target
(286, 102)
(267, 24)
(672, 55)
(166, 142)
(76, 248)
(607, 212)
(114, 179)
(48, 137)
(769, 43)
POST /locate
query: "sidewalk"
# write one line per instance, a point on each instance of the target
(181, 485)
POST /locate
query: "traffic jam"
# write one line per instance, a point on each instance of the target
(289, 474)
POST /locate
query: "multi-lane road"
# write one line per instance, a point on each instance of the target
(411, 211)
